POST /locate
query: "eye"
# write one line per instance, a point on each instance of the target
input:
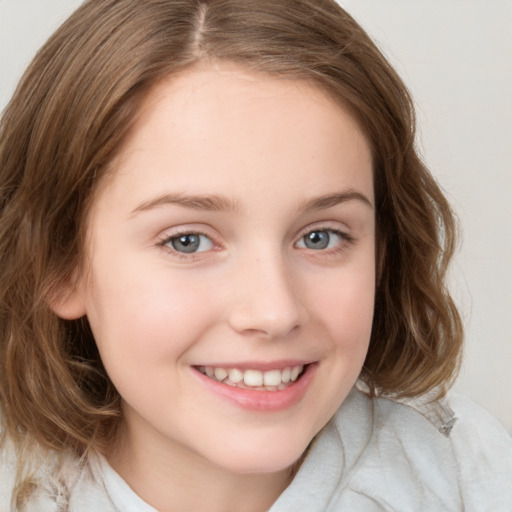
(321, 239)
(189, 243)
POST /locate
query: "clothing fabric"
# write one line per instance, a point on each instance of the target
(375, 455)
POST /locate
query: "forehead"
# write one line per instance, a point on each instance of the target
(205, 127)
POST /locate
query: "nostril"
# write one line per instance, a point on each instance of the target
(265, 301)
(261, 322)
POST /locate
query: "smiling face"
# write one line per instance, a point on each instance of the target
(230, 273)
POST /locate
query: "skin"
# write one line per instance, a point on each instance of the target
(254, 292)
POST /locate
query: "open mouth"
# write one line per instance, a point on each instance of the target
(255, 380)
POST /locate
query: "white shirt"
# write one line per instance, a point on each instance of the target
(374, 455)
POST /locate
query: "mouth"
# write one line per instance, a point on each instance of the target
(259, 387)
(277, 379)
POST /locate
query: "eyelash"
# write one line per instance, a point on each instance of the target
(345, 240)
(164, 243)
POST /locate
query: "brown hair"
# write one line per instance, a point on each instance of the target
(73, 109)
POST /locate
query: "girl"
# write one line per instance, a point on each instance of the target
(223, 274)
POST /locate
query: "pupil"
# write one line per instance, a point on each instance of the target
(317, 240)
(186, 243)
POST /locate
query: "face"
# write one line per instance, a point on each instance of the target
(230, 269)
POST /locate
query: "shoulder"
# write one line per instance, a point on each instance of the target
(482, 450)
(52, 482)
(476, 439)
(7, 474)
(39, 487)
(424, 455)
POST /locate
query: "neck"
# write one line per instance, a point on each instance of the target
(177, 480)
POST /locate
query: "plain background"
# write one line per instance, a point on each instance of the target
(456, 57)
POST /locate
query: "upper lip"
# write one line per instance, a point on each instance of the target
(259, 365)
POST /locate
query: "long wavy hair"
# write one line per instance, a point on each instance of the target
(70, 114)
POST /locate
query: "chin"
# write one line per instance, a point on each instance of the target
(271, 458)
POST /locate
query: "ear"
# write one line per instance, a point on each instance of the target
(67, 301)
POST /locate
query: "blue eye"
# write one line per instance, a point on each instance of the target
(190, 243)
(320, 239)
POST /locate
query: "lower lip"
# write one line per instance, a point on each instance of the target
(270, 401)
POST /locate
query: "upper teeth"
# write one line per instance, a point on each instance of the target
(253, 378)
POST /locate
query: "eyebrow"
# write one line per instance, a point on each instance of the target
(218, 203)
(213, 203)
(329, 200)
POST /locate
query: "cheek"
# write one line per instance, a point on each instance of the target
(345, 304)
(341, 311)
(137, 317)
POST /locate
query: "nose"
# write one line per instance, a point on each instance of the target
(266, 299)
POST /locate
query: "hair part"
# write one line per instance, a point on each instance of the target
(68, 119)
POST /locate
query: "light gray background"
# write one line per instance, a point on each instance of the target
(456, 57)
